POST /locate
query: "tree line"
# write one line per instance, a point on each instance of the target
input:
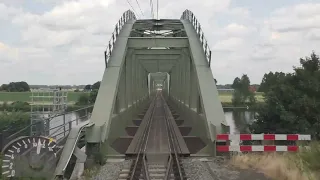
(90, 98)
(242, 94)
(15, 87)
(292, 100)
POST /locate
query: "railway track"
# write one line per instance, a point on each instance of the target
(157, 157)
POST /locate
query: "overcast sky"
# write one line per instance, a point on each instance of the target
(62, 41)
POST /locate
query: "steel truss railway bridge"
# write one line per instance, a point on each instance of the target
(157, 102)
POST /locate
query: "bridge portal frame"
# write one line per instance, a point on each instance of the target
(125, 89)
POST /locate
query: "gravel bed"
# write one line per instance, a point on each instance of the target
(195, 169)
(217, 169)
(111, 170)
(221, 169)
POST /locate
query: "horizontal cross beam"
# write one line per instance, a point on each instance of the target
(157, 51)
(141, 42)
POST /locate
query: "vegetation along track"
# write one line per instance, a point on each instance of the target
(157, 156)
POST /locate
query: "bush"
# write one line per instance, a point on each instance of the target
(86, 99)
(15, 106)
(83, 99)
(13, 121)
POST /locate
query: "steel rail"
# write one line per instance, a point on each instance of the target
(143, 144)
(172, 139)
(169, 164)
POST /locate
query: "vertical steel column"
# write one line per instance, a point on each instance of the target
(187, 78)
(122, 98)
(129, 73)
(134, 79)
(193, 89)
(173, 82)
(139, 69)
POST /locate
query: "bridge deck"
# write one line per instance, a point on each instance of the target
(158, 137)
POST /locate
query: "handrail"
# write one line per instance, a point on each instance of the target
(126, 16)
(69, 148)
(69, 123)
(49, 119)
(188, 15)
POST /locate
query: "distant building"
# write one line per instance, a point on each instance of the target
(252, 89)
(225, 90)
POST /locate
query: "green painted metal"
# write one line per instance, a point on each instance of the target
(70, 148)
(145, 58)
(143, 42)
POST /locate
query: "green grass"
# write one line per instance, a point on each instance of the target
(25, 96)
(225, 97)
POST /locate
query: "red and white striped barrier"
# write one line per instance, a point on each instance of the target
(286, 137)
(260, 148)
(256, 148)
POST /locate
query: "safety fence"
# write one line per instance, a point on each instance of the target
(57, 126)
(260, 137)
(126, 16)
(188, 15)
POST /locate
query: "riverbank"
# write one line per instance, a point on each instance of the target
(9, 97)
(26, 96)
(25, 106)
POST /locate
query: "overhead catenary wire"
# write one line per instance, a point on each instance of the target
(151, 9)
(140, 7)
(157, 9)
(132, 8)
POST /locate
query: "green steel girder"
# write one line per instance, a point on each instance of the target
(141, 42)
(157, 51)
(158, 20)
(122, 87)
(132, 75)
(210, 103)
(158, 65)
(158, 57)
(158, 25)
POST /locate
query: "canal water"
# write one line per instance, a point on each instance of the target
(238, 121)
(63, 123)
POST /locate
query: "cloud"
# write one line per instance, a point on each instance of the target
(296, 18)
(7, 54)
(7, 12)
(65, 44)
(239, 11)
(235, 29)
(230, 44)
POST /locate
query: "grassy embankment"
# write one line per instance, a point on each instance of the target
(303, 165)
(25, 96)
(73, 97)
(226, 97)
